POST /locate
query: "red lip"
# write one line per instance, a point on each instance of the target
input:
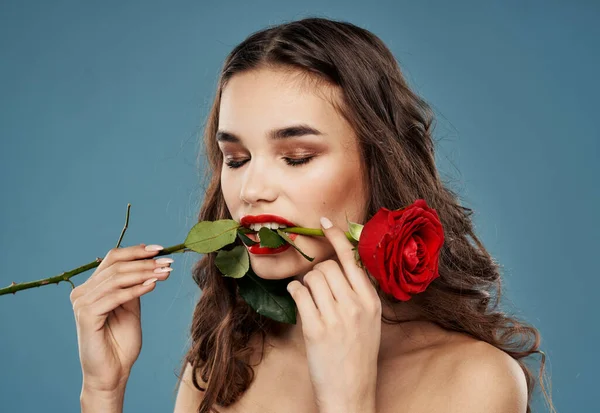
(258, 250)
(258, 219)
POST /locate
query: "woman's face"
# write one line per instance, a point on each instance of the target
(261, 177)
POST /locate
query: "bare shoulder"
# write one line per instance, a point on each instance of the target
(487, 379)
(474, 376)
(188, 397)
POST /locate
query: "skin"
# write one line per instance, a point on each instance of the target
(417, 367)
(330, 185)
(346, 355)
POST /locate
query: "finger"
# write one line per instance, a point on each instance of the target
(121, 297)
(120, 281)
(343, 247)
(135, 252)
(321, 294)
(338, 283)
(93, 316)
(124, 267)
(113, 257)
(311, 318)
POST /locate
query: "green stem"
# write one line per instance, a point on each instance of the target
(179, 248)
(312, 231)
(66, 276)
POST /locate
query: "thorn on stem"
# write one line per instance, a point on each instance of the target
(98, 259)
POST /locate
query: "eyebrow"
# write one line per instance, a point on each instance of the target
(293, 131)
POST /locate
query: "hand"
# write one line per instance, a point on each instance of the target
(108, 317)
(341, 324)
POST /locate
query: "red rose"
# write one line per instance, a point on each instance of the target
(400, 248)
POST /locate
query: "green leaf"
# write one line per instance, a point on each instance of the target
(268, 238)
(289, 241)
(234, 263)
(357, 258)
(268, 297)
(245, 239)
(354, 229)
(209, 236)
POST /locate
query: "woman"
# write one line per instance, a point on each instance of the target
(313, 119)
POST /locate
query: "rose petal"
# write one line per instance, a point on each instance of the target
(371, 236)
(409, 254)
(379, 269)
(401, 248)
(397, 290)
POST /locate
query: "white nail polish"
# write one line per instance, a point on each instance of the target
(150, 281)
(162, 261)
(326, 223)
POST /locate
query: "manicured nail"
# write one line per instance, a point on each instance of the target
(162, 261)
(162, 269)
(326, 223)
(154, 247)
(150, 281)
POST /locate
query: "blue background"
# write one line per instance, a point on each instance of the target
(102, 104)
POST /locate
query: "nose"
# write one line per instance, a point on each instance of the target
(258, 184)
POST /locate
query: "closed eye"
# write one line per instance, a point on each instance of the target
(290, 161)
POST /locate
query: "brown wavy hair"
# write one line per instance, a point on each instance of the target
(394, 128)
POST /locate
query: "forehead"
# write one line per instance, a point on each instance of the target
(260, 100)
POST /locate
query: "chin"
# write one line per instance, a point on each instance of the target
(270, 271)
(290, 263)
(280, 266)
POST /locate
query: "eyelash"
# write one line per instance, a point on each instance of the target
(289, 161)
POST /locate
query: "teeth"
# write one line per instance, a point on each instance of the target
(270, 225)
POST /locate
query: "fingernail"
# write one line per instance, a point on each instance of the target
(154, 247)
(326, 223)
(161, 261)
(162, 269)
(150, 281)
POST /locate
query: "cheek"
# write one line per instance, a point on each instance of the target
(229, 190)
(330, 187)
